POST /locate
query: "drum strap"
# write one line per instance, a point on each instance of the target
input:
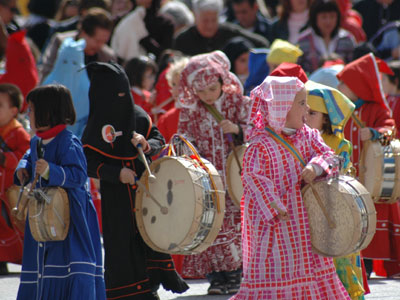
(287, 144)
(218, 117)
(293, 150)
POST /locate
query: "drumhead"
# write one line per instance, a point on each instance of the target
(233, 177)
(352, 211)
(49, 220)
(371, 168)
(191, 223)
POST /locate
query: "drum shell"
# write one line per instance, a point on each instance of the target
(12, 198)
(233, 177)
(44, 221)
(351, 209)
(380, 171)
(142, 203)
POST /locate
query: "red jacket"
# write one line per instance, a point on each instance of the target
(374, 116)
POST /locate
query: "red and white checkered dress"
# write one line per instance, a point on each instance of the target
(278, 262)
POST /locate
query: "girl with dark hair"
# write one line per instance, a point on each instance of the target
(71, 268)
(293, 18)
(324, 36)
(141, 72)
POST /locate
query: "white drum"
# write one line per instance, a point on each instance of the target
(380, 170)
(185, 210)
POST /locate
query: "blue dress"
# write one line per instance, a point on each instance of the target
(69, 269)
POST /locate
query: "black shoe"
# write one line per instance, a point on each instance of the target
(217, 288)
(233, 280)
(3, 268)
(232, 287)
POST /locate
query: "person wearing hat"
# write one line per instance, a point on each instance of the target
(282, 51)
(329, 112)
(278, 262)
(114, 129)
(360, 82)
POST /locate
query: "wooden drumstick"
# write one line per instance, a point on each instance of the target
(152, 178)
(19, 214)
(164, 210)
(321, 205)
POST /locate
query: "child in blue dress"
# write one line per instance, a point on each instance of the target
(72, 268)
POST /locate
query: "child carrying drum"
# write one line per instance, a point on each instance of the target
(14, 141)
(72, 268)
(360, 82)
(278, 262)
(329, 112)
(206, 81)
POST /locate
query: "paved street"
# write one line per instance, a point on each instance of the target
(382, 289)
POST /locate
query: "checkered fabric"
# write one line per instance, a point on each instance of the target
(278, 262)
(204, 70)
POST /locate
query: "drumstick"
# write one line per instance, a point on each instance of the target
(152, 178)
(19, 214)
(232, 145)
(321, 205)
(164, 210)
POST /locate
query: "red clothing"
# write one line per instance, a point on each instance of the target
(163, 91)
(142, 98)
(168, 123)
(198, 125)
(374, 116)
(394, 104)
(20, 66)
(16, 139)
(388, 216)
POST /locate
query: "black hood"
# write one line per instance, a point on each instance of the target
(111, 106)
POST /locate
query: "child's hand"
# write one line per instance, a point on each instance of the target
(229, 127)
(365, 134)
(308, 174)
(127, 176)
(140, 139)
(41, 166)
(22, 175)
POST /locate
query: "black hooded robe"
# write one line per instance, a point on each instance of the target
(132, 269)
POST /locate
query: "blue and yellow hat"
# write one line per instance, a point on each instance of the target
(332, 102)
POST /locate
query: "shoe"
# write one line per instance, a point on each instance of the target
(232, 287)
(3, 268)
(217, 288)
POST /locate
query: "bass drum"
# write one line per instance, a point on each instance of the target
(185, 211)
(380, 171)
(234, 176)
(349, 206)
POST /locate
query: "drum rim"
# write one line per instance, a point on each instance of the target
(346, 182)
(218, 216)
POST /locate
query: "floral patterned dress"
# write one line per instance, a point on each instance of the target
(199, 126)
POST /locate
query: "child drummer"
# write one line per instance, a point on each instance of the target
(278, 262)
(207, 82)
(360, 82)
(329, 112)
